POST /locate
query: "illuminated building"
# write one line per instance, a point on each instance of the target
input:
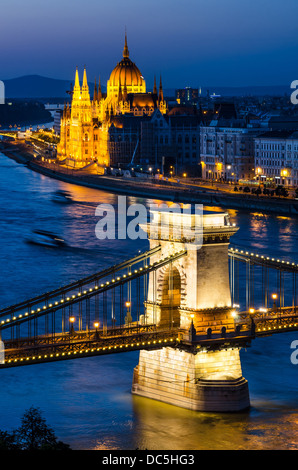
(86, 124)
(276, 157)
(227, 146)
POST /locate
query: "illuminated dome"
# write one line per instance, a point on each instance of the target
(126, 73)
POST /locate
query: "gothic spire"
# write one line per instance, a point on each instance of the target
(85, 82)
(125, 50)
(95, 97)
(160, 94)
(77, 80)
(155, 87)
(76, 94)
(99, 94)
(85, 87)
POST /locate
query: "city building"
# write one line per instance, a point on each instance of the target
(276, 157)
(227, 146)
(187, 96)
(89, 125)
(57, 121)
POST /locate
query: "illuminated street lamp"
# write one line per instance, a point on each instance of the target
(71, 321)
(128, 318)
(96, 326)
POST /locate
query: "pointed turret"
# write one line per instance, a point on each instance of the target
(95, 97)
(77, 80)
(99, 94)
(76, 94)
(85, 88)
(160, 94)
(125, 50)
(154, 86)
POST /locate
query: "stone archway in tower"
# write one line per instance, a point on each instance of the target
(170, 298)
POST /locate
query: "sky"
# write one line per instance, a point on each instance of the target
(188, 42)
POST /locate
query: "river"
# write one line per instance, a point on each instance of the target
(88, 401)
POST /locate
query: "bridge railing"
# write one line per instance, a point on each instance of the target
(116, 301)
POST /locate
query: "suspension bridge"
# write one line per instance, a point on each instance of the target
(105, 312)
(212, 300)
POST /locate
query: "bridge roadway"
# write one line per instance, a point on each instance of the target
(75, 345)
(49, 348)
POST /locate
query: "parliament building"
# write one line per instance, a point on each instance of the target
(127, 125)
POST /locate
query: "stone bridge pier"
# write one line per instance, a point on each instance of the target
(192, 293)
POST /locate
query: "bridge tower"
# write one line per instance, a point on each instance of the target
(203, 371)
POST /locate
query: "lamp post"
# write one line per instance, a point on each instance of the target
(274, 297)
(128, 318)
(96, 326)
(211, 174)
(71, 322)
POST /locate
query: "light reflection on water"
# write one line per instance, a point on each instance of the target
(88, 401)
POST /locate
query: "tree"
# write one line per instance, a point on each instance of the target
(35, 434)
(7, 441)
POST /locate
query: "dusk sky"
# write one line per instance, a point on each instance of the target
(190, 42)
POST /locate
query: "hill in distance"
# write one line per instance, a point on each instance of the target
(36, 86)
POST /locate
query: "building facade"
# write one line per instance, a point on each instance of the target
(187, 95)
(227, 153)
(87, 125)
(276, 157)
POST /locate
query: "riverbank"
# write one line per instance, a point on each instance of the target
(166, 191)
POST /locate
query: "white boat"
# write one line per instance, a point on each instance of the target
(43, 237)
(63, 197)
